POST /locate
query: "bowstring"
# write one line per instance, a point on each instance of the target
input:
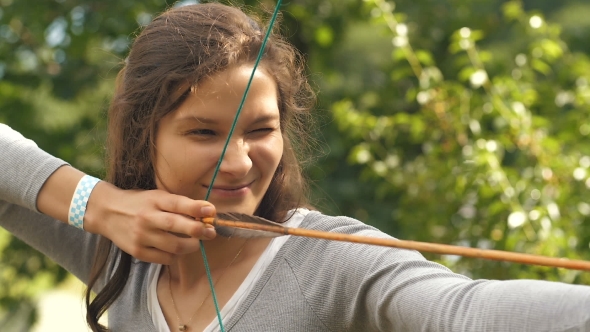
(231, 131)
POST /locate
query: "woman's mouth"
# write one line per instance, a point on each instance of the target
(231, 190)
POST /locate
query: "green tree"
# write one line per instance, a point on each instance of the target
(478, 140)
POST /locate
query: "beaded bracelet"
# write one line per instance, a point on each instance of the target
(79, 201)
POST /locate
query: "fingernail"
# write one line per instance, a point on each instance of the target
(207, 211)
(209, 233)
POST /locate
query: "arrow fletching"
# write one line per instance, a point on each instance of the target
(234, 219)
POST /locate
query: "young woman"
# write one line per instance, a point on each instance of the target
(176, 98)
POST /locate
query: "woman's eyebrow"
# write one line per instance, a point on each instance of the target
(192, 118)
(266, 118)
(203, 120)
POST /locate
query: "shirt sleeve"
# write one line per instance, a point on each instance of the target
(24, 169)
(70, 247)
(360, 287)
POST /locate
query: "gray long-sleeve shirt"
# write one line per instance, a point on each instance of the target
(311, 285)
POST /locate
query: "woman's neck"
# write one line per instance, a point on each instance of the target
(221, 252)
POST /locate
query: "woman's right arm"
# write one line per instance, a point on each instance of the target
(138, 222)
(25, 168)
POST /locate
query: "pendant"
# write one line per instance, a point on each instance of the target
(182, 328)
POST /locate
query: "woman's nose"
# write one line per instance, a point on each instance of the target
(236, 160)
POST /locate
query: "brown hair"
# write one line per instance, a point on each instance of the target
(173, 53)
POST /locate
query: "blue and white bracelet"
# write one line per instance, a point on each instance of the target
(80, 199)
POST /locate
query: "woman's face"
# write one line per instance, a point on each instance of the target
(189, 141)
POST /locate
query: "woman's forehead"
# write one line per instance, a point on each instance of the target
(218, 98)
(232, 78)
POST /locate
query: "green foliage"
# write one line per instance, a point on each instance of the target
(461, 121)
(488, 148)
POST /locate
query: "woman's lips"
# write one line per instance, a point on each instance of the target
(231, 190)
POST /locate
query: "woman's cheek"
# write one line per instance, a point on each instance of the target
(274, 148)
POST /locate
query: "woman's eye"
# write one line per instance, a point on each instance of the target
(202, 132)
(262, 130)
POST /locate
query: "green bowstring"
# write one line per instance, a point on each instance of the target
(231, 131)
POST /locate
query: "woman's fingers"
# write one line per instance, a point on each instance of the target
(171, 243)
(152, 226)
(182, 226)
(165, 226)
(184, 205)
(179, 219)
(157, 246)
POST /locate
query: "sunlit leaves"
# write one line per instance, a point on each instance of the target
(486, 143)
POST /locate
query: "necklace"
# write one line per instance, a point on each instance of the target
(184, 327)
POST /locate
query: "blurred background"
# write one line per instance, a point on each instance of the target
(453, 121)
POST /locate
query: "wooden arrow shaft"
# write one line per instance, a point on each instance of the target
(443, 249)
